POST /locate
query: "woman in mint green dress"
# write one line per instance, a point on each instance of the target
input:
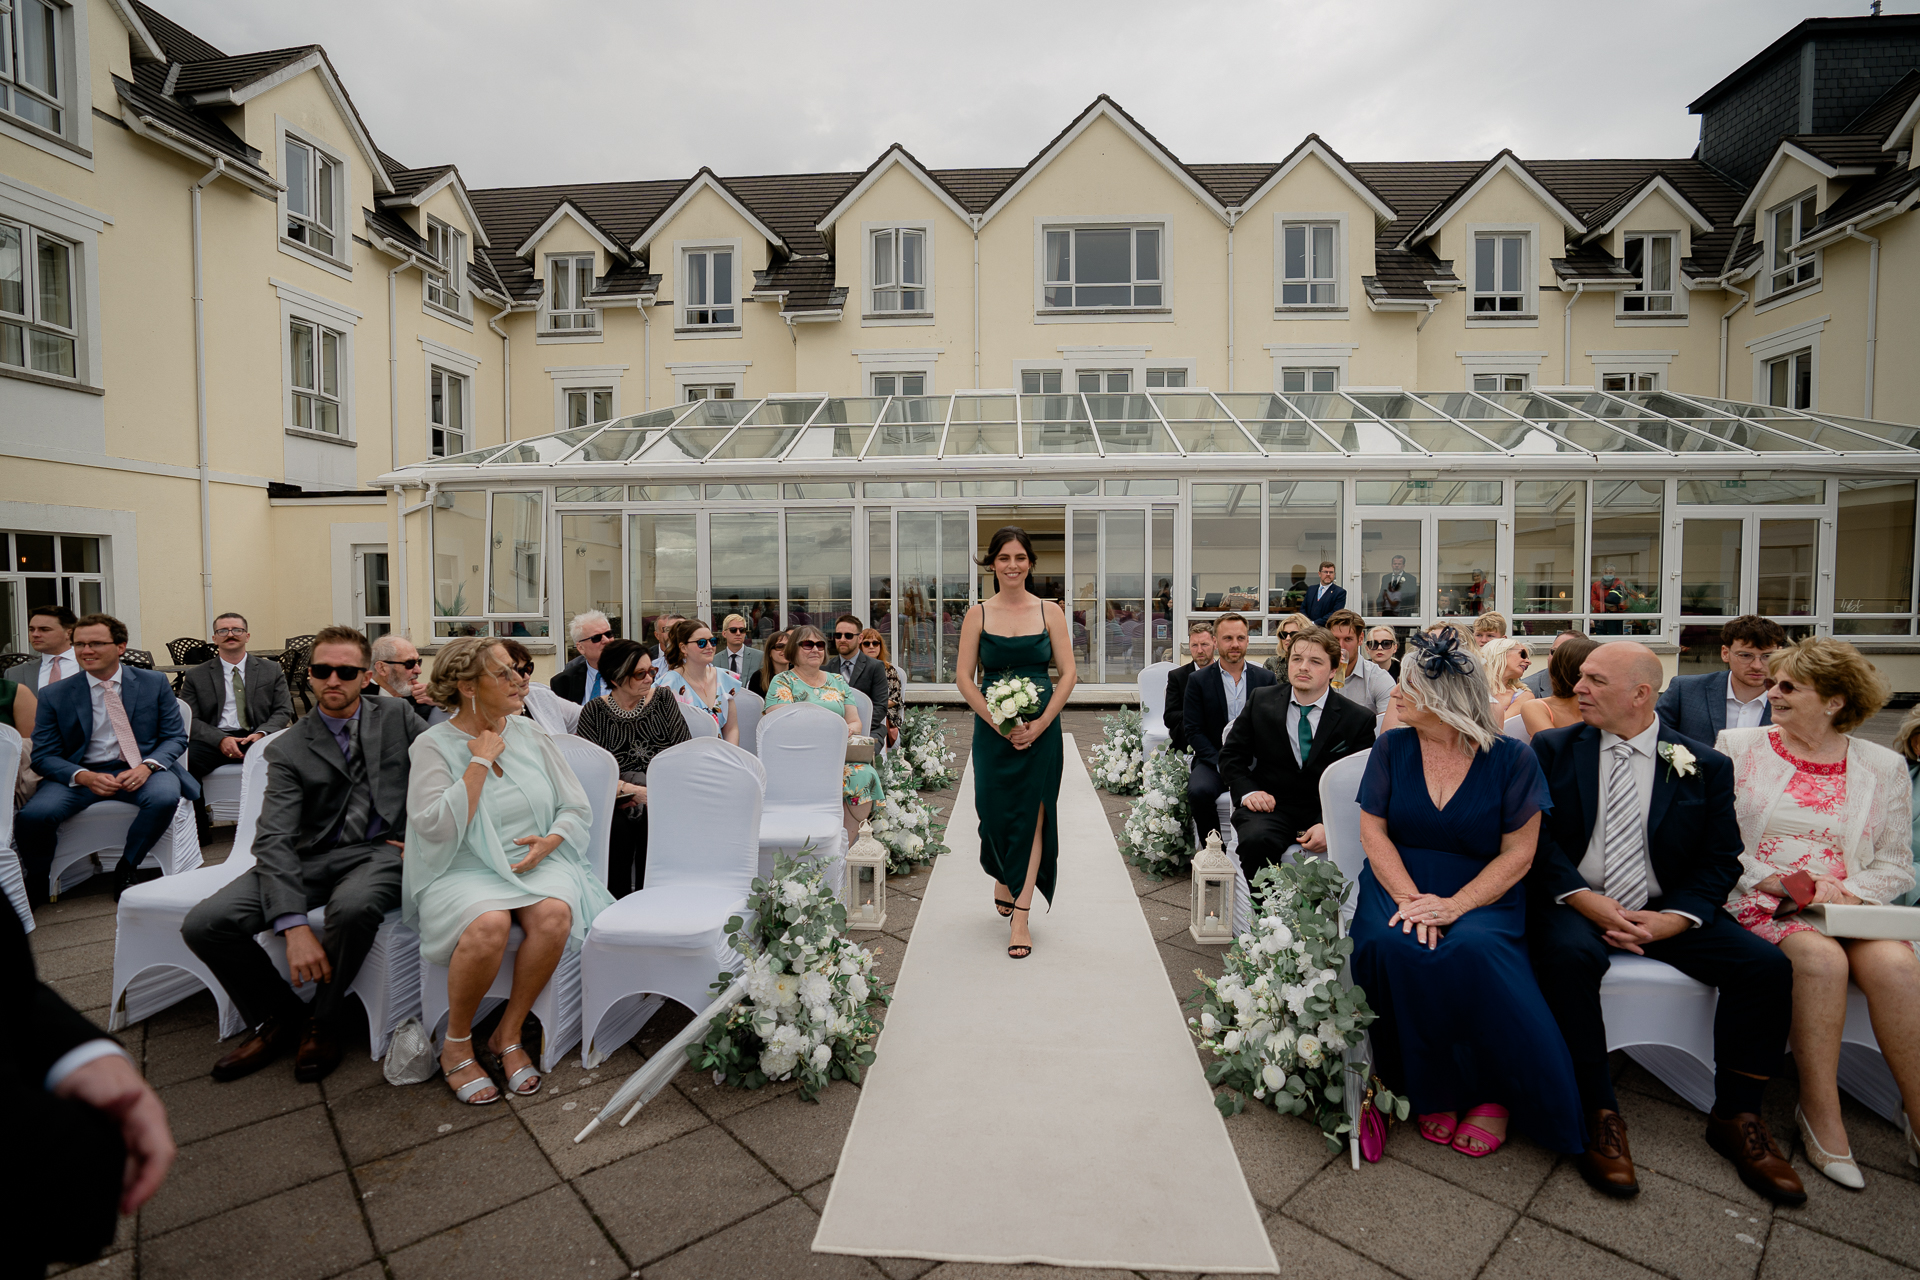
(497, 834)
(1016, 775)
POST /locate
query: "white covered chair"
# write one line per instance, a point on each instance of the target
(1516, 727)
(865, 704)
(220, 793)
(1153, 708)
(748, 706)
(550, 711)
(669, 940)
(12, 882)
(1340, 814)
(558, 1004)
(90, 841)
(699, 724)
(804, 749)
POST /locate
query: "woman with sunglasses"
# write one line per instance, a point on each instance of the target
(1383, 648)
(635, 721)
(695, 681)
(805, 680)
(874, 645)
(497, 834)
(1290, 626)
(776, 662)
(1810, 798)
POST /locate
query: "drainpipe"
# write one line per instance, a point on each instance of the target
(646, 357)
(200, 398)
(506, 374)
(1730, 287)
(400, 546)
(1233, 216)
(1873, 308)
(393, 436)
(1566, 334)
(976, 303)
(1432, 307)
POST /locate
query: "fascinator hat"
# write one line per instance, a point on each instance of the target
(1441, 654)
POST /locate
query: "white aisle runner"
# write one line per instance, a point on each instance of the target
(1041, 1110)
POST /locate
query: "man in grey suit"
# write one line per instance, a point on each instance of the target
(736, 655)
(330, 834)
(1699, 707)
(868, 675)
(237, 699)
(1539, 682)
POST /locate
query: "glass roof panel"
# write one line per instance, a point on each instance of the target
(1297, 436)
(1891, 432)
(1328, 408)
(783, 412)
(1191, 406)
(1055, 437)
(863, 409)
(1442, 437)
(1750, 434)
(1822, 429)
(1063, 408)
(983, 409)
(1261, 407)
(970, 438)
(839, 440)
(613, 445)
(545, 448)
(470, 458)
(1462, 405)
(917, 409)
(1647, 424)
(906, 440)
(718, 413)
(684, 444)
(1116, 408)
(756, 442)
(1364, 435)
(1211, 437)
(1134, 437)
(1397, 406)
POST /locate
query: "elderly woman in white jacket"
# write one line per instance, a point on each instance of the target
(1810, 798)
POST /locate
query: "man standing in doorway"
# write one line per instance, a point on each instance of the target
(1323, 598)
(1216, 695)
(1399, 591)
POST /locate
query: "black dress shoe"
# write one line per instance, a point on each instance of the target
(125, 877)
(263, 1044)
(318, 1055)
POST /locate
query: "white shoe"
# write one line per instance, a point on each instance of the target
(1840, 1169)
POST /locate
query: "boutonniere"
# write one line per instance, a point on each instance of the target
(1680, 761)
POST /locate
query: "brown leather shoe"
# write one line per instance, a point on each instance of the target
(1744, 1140)
(318, 1055)
(265, 1043)
(1607, 1164)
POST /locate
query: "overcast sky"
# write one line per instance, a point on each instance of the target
(600, 90)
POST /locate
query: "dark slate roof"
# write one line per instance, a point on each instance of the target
(806, 282)
(143, 97)
(224, 72)
(178, 43)
(1870, 193)
(625, 281)
(1884, 114)
(1811, 29)
(1844, 150)
(408, 183)
(1232, 183)
(975, 188)
(1589, 262)
(395, 228)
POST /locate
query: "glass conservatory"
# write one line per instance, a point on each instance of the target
(1653, 514)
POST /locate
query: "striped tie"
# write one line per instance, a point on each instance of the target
(1624, 869)
(122, 729)
(359, 810)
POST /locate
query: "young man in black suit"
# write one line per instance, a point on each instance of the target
(1272, 761)
(1638, 854)
(1200, 645)
(1215, 695)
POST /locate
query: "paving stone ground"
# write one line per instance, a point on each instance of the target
(356, 1179)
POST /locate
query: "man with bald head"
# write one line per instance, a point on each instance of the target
(1638, 855)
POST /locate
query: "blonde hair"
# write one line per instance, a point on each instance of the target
(1460, 699)
(1834, 667)
(1490, 624)
(462, 661)
(1494, 654)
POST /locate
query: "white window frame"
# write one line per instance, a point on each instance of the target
(1307, 221)
(73, 140)
(79, 421)
(12, 19)
(689, 375)
(1647, 298)
(1311, 378)
(298, 304)
(1787, 368)
(893, 380)
(1160, 311)
(340, 260)
(549, 313)
(446, 245)
(1521, 290)
(872, 315)
(1477, 363)
(587, 396)
(1803, 338)
(1628, 381)
(1785, 259)
(315, 393)
(30, 319)
(1311, 355)
(1104, 380)
(455, 388)
(693, 391)
(683, 254)
(1494, 384)
(1169, 377)
(1047, 379)
(1634, 366)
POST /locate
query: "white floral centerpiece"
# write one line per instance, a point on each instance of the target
(923, 745)
(1155, 836)
(1278, 1020)
(902, 822)
(1011, 700)
(808, 986)
(1118, 761)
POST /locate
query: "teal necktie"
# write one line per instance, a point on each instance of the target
(1306, 733)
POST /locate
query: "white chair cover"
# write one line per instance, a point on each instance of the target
(804, 751)
(12, 882)
(748, 706)
(550, 711)
(669, 939)
(1340, 814)
(1517, 728)
(558, 1004)
(865, 704)
(220, 792)
(699, 724)
(1153, 708)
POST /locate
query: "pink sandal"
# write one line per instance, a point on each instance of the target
(1438, 1126)
(1489, 1110)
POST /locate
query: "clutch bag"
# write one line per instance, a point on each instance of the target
(860, 750)
(1864, 920)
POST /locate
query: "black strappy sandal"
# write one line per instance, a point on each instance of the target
(1004, 907)
(1018, 950)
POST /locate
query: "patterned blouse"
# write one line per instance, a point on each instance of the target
(1802, 834)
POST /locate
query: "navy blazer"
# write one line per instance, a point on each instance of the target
(1696, 706)
(1330, 602)
(1204, 710)
(63, 725)
(1693, 837)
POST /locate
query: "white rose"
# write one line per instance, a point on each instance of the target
(793, 892)
(1330, 1034)
(1232, 1042)
(822, 1055)
(857, 988)
(777, 1063)
(1309, 1048)
(1208, 1023)
(1273, 1077)
(786, 990)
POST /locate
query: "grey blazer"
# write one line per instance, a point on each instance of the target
(268, 705)
(750, 659)
(1696, 706)
(307, 792)
(869, 676)
(1541, 681)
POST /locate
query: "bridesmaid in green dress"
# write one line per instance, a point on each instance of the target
(1016, 634)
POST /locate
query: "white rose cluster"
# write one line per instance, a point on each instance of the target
(1010, 698)
(903, 823)
(923, 747)
(1155, 835)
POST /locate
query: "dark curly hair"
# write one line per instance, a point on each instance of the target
(673, 649)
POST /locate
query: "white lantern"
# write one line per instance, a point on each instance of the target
(866, 892)
(1212, 898)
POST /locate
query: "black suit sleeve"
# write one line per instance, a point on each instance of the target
(194, 691)
(1174, 717)
(1555, 873)
(45, 1027)
(279, 704)
(1198, 739)
(1712, 865)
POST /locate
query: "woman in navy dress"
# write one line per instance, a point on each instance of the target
(1450, 815)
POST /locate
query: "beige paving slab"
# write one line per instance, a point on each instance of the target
(55, 935)
(1278, 1154)
(1532, 1250)
(70, 962)
(1306, 1253)
(174, 1056)
(1670, 1226)
(1510, 1176)
(200, 1107)
(378, 1122)
(417, 1192)
(1672, 1139)
(667, 1198)
(799, 1141)
(548, 1235)
(666, 1117)
(1388, 1212)
(303, 1234)
(1795, 1253)
(718, 1101)
(773, 1245)
(242, 1166)
(1884, 1216)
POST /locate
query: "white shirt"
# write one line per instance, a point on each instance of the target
(1645, 746)
(69, 666)
(1744, 715)
(1236, 695)
(1295, 710)
(102, 746)
(732, 660)
(230, 709)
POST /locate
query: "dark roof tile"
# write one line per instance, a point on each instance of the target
(178, 43)
(1880, 118)
(215, 74)
(142, 95)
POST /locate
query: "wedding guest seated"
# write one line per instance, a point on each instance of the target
(1637, 855)
(1490, 626)
(1506, 660)
(738, 659)
(634, 721)
(580, 681)
(1699, 707)
(1906, 740)
(1559, 707)
(396, 672)
(1540, 682)
(775, 663)
(1216, 695)
(874, 645)
(236, 698)
(1281, 744)
(1353, 676)
(115, 735)
(806, 680)
(497, 835)
(1383, 651)
(1450, 816)
(695, 681)
(1200, 645)
(50, 634)
(331, 829)
(1291, 625)
(851, 663)
(1812, 798)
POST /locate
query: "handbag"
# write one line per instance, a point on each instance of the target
(1373, 1128)
(860, 750)
(1864, 920)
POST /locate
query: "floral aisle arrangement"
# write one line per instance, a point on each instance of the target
(903, 823)
(1278, 1019)
(805, 1016)
(1118, 761)
(1012, 700)
(923, 744)
(1155, 836)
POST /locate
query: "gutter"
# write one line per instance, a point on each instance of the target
(1432, 307)
(200, 395)
(400, 551)
(1873, 308)
(646, 356)
(172, 139)
(975, 220)
(506, 372)
(1726, 282)
(1233, 216)
(1566, 333)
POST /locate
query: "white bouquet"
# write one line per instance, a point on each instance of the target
(1118, 763)
(1011, 700)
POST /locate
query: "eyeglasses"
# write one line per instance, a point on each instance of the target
(705, 642)
(645, 673)
(602, 638)
(1381, 644)
(736, 631)
(811, 644)
(410, 664)
(95, 644)
(846, 635)
(231, 631)
(328, 670)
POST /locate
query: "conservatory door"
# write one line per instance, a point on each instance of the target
(934, 581)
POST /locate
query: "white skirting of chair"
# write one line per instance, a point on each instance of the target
(1153, 707)
(152, 967)
(557, 1006)
(388, 983)
(14, 885)
(90, 842)
(220, 793)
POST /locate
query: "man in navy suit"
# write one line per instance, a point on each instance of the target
(1323, 598)
(1701, 706)
(1216, 695)
(114, 734)
(1638, 854)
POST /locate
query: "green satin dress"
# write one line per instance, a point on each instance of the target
(1009, 786)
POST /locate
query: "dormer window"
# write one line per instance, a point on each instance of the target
(1788, 225)
(709, 290)
(900, 270)
(1650, 257)
(1308, 274)
(30, 63)
(1499, 274)
(1103, 268)
(314, 186)
(569, 281)
(448, 248)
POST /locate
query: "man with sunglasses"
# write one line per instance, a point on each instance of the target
(236, 698)
(396, 673)
(580, 680)
(738, 657)
(331, 830)
(867, 674)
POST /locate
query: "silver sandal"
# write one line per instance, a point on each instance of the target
(466, 1092)
(513, 1081)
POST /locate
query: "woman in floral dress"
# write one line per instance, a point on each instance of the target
(804, 681)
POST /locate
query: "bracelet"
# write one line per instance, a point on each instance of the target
(482, 761)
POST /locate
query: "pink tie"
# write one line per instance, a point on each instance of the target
(122, 730)
(56, 670)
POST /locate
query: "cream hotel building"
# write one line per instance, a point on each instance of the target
(250, 360)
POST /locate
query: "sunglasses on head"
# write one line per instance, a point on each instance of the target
(811, 644)
(328, 670)
(704, 642)
(409, 663)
